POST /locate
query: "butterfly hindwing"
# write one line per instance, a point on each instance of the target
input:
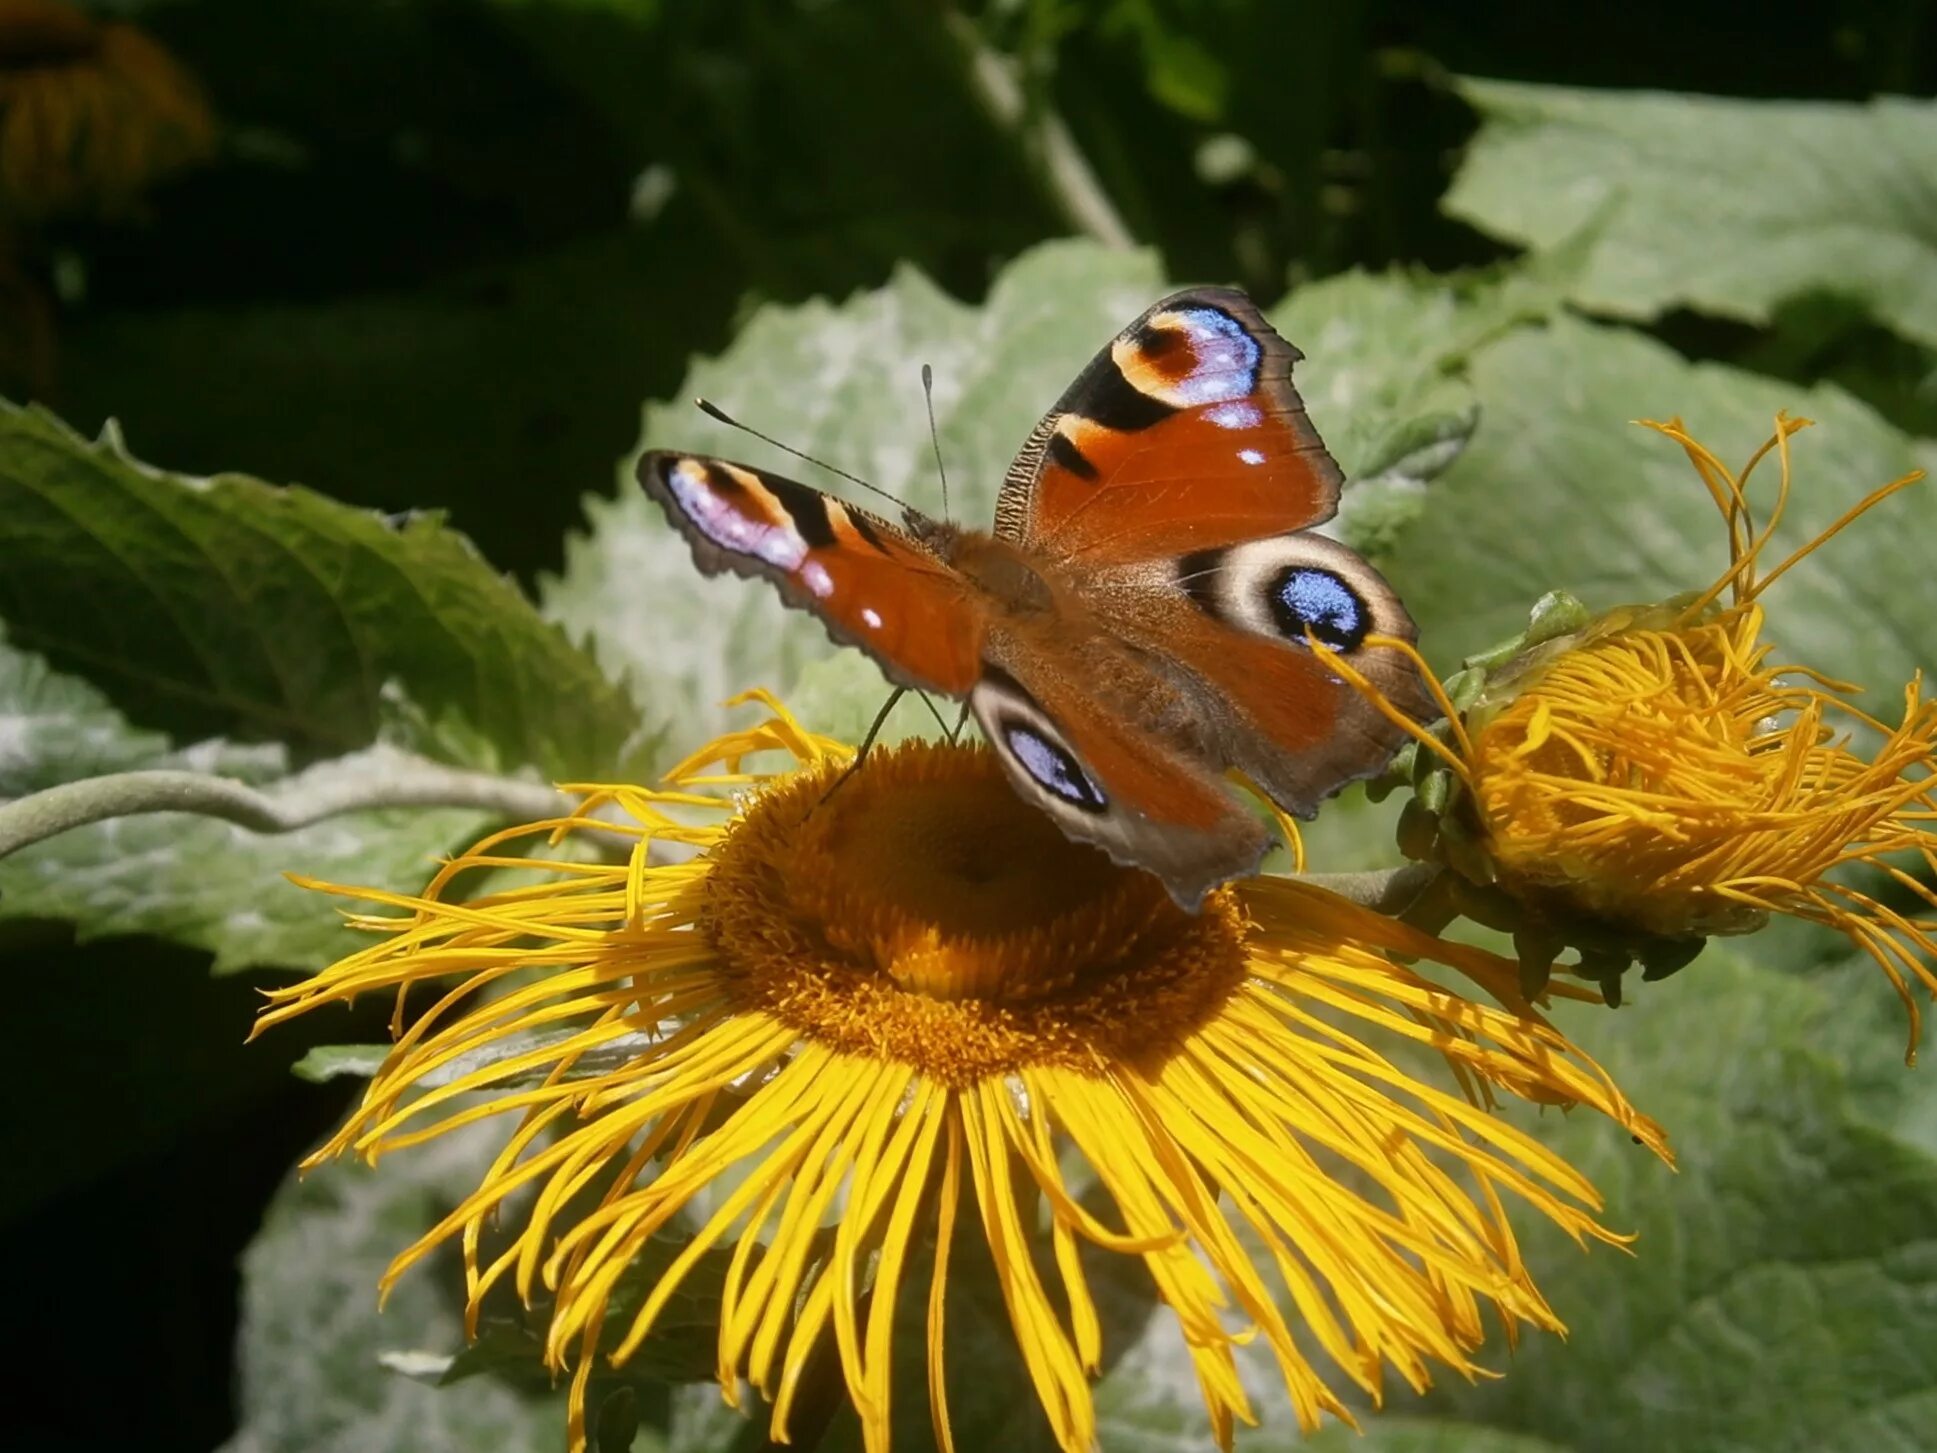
(1242, 618)
(1183, 434)
(870, 583)
(1232, 629)
(1106, 782)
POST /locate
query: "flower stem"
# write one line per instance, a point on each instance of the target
(1384, 890)
(407, 782)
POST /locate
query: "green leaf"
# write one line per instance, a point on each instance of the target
(321, 1368)
(197, 880)
(328, 1062)
(682, 1347)
(55, 728)
(1726, 206)
(1385, 354)
(842, 693)
(228, 607)
(1783, 1291)
(1405, 1434)
(1180, 72)
(361, 1061)
(316, 1361)
(1560, 491)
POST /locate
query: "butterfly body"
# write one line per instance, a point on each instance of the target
(1138, 622)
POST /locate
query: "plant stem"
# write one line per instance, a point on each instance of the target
(1046, 143)
(1385, 890)
(402, 782)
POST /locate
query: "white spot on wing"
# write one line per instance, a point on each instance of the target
(1235, 416)
(871, 617)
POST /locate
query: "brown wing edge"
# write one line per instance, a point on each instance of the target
(714, 559)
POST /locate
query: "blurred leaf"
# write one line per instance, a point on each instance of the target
(1180, 72)
(1384, 372)
(209, 607)
(323, 1369)
(1560, 490)
(55, 728)
(361, 1061)
(842, 693)
(991, 1404)
(717, 94)
(1405, 1433)
(1726, 206)
(311, 1337)
(328, 1062)
(197, 880)
(499, 392)
(683, 1345)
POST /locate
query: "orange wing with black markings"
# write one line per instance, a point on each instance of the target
(1184, 433)
(873, 585)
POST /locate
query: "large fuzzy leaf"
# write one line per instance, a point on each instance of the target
(197, 880)
(229, 607)
(1561, 491)
(1728, 206)
(312, 1351)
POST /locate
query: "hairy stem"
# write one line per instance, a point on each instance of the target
(407, 782)
(1384, 890)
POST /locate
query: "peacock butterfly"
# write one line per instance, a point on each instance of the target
(1137, 622)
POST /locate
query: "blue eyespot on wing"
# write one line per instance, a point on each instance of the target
(1312, 598)
(1053, 767)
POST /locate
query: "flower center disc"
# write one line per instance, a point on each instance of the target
(1624, 774)
(921, 909)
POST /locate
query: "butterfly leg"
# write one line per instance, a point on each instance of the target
(961, 721)
(940, 720)
(867, 742)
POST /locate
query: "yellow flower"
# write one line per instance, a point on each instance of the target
(855, 1018)
(92, 113)
(1657, 771)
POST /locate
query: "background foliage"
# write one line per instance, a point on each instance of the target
(446, 248)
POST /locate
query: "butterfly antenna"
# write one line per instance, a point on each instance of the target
(714, 411)
(934, 434)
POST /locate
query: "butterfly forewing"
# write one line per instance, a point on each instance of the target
(1184, 433)
(873, 585)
